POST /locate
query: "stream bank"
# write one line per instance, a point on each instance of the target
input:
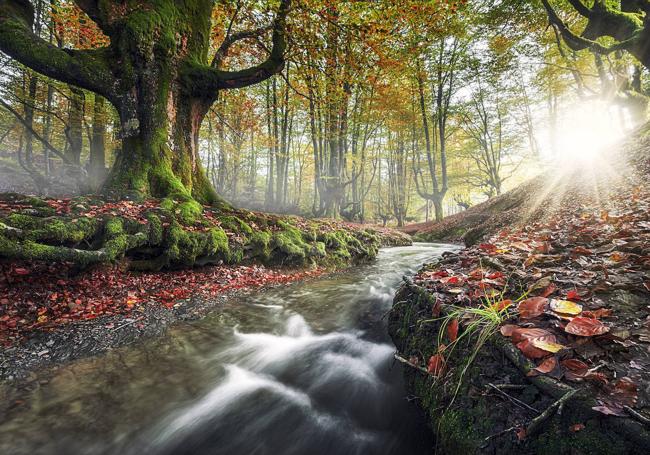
(302, 368)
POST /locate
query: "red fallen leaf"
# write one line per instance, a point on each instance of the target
(597, 377)
(506, 330)
(495, 276)
(452, 330)
(502, 305)
(550, 289)
(488, 247)
(573, 295)
(576, 366)
(625, 392)
(435, 311)
(21, 271)
(533, 307)
(586, 327)
(582, 251)
(577, 427)
(530, 351)
(542, 248)
(476, 274)
(545, 367)
(436, 365)
(522, 333)
(597, 314)
(451, 280)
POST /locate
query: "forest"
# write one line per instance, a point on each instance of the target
(427, 220)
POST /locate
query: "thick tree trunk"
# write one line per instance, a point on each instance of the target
(159, 155)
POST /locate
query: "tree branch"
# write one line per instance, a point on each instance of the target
(86, 69)
(222, 52)
(580, 7)
(205, 81)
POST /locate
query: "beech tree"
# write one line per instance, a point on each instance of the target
(157, 73)
(624, 21)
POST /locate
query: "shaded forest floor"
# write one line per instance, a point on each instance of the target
(552, 297)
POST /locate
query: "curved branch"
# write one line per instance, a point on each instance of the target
(95, 11)
(575, 42)
(205, 81)
(86, 69)
(222, 52)
(580, 7)
(272, 65)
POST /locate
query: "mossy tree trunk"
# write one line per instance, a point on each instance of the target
(157, 74)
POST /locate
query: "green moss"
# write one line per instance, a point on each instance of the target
(259, 243)
(218, 243)
(60, 230)
(289, 241)
(235, 224)
(155, 228)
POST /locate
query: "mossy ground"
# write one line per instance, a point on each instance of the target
(176, 234)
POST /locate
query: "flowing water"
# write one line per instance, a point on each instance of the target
(301, 369)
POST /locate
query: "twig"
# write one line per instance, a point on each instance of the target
(126, 323)
(637, 415)
(510, 386)
(411, 364)
(537, 422)
(513, 399)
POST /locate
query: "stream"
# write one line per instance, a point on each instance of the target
(305, 368)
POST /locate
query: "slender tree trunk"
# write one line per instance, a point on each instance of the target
(97, 160)
(75, 125)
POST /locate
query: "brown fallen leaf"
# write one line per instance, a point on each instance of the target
(586, 327)
(506, 330)
(452, 330)
(436, 365)
(545, 367)
(532, 307)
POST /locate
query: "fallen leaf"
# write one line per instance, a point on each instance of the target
(452, 330)
(586, 327)
(547, 346)
(573, 295)
(21, 271)
(545, 367)
(565, 307)
(532, 307)
(436, 365)
(506, 330)
(577, 427)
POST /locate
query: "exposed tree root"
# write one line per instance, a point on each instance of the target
(169, 234)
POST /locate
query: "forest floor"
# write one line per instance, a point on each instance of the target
(552, 296)
(53, 312)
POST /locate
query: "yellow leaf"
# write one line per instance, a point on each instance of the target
(547, 346)
(565, 307)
